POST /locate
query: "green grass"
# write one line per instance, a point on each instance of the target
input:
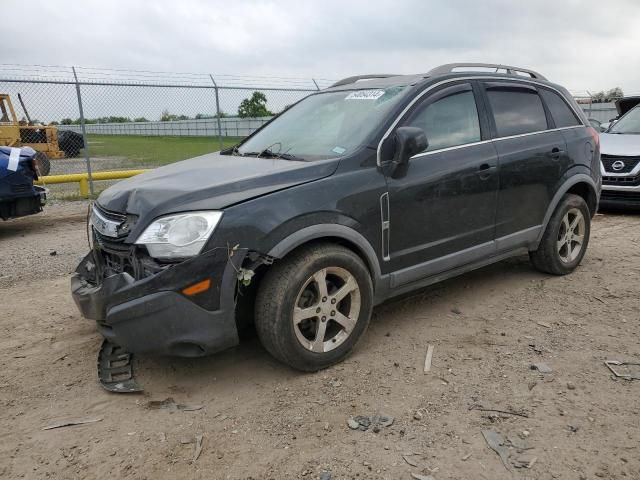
(140, 151)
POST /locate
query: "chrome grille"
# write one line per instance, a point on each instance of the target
(629, 163)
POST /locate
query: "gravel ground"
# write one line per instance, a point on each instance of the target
(261, 420)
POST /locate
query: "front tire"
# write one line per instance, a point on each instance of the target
(565, 240)
(313, 306)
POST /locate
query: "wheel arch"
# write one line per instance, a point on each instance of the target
(584, 190)
(580, 184)
(335, 233)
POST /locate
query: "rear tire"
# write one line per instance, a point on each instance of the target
(307, 325)
(44, 164)
(566, 238)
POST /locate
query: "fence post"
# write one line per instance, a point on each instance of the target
(215, 87)
(84, 132)
(315, 83)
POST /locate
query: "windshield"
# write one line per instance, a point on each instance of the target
(324, 125)
(629, 124)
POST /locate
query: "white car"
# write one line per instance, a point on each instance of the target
(620, 155)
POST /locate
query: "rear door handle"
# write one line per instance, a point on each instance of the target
(485, 171)
(556, 153)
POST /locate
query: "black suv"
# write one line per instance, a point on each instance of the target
(374, 187)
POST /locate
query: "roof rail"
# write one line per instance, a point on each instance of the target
(349, 80)
(449, 67)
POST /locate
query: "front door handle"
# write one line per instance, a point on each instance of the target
(485, 171)
(556, 153)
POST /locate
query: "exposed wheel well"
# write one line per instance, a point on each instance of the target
(585, 191)
(247, 295)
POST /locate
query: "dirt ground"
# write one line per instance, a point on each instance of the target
(261, 420)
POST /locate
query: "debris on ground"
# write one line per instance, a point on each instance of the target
(325, 475)
(363, 423)
(524, 461)
(537, 348)
(353, 424)
(497, 443)
(456, 310)
(544, 324)
(53, 253)
(115, 370)
(418, 476)
(507, 447)
(198, 449)
(632, 370)
(427, 360)
(170, 404)
(466, 457)
(477, 406)
(410, 460)
(71, 423)
(542, 367)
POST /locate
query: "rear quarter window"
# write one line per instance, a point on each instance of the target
(516, 111)
(562, 115)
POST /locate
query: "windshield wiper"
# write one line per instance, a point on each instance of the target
(268, 153)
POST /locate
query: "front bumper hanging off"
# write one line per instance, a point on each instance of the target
(152, 315)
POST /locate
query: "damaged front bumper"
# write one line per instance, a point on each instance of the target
(153, 315)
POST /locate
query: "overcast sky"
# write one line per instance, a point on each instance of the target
(584, 45)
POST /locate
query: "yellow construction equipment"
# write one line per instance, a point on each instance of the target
(42, 138)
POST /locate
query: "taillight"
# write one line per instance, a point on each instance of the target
(595, 135)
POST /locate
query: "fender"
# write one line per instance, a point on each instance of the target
(564, 188)
(315, 232)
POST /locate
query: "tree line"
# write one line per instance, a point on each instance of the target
(608, 96)
(254, 106)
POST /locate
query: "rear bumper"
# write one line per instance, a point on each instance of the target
(12, 206)
(152, 315)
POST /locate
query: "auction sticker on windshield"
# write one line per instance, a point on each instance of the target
(365, 95)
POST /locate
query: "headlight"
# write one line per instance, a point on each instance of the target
(179, 236)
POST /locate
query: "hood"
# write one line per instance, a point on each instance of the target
(209, 182)
(625, 145)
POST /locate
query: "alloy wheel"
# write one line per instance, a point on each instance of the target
(571, 235)
(326, 309)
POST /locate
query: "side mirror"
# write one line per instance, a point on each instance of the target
(408, 142)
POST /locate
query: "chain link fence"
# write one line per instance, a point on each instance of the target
(87, 120)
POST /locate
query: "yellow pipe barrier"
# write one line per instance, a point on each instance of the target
(83, 178)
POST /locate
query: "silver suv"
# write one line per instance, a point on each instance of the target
(620, 147)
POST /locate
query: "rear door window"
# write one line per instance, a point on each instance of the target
(562, 115)
(516, 111)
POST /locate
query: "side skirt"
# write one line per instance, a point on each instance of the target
(382, 296)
